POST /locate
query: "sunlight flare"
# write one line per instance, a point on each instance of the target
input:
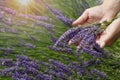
(24, 2)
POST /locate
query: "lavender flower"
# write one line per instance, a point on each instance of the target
(92, 63)
(7, 50)
(14, 31)
(49, 27)
(65, 50)
(9, 22)
(1, 15)
(60, 44)
(77, 7)
(3, 30)
(97, 72)
(85, 5)
(8, 71)
(61, 66)
(68, 34)
(60, 16)
(33, 38)
(29, 45)
(6, 62)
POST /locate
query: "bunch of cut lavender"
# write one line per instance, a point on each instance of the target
(84, 38)
(63, 47)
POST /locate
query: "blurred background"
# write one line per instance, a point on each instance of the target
(28, 27)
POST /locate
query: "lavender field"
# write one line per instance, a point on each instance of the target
(34, 37)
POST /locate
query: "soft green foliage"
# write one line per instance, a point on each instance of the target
(110, 66)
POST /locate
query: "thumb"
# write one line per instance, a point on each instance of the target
(81, 20)
(100, 42)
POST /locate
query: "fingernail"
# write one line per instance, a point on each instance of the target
(73, 22)
(77, 47)
(102, 44)
(79, 25)
(97, 41)
(69, 43)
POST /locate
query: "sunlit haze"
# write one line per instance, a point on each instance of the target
(24, 2)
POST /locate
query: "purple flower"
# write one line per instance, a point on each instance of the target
(3, 30)
(97, 72)
(65, 50)
(7, 62)
(10, 23)
(59, 14)
(92, 63)
(67, 35)
(7, 50)
(85, 5)
(33, 38)
(30, 46)
(61, 66)
(49, 27)
(1, 15)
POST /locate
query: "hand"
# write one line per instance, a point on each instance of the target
(95, 14)
(110, 35)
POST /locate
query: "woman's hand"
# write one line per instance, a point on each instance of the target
(105, 12)
(95, 14)
(110, 35)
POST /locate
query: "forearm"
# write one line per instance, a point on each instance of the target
(112, 5)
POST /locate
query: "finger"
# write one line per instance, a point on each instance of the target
(69, 43)
(100, 41)
(113, 29)
(102, 44)
(81, 20)
(110, 34)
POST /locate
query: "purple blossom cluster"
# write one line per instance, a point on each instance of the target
(84, 38)
(63, 50)
(30, 46)
(99, 74)
(8, 10)
(28, 16)
(49, 27)
(39, 20)
(1, 15)
(7, 50)
(6, 62)
(33, 38)
(9, 30)
(84, 5)
(27, 45)
(59, 14)
(26, 68)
